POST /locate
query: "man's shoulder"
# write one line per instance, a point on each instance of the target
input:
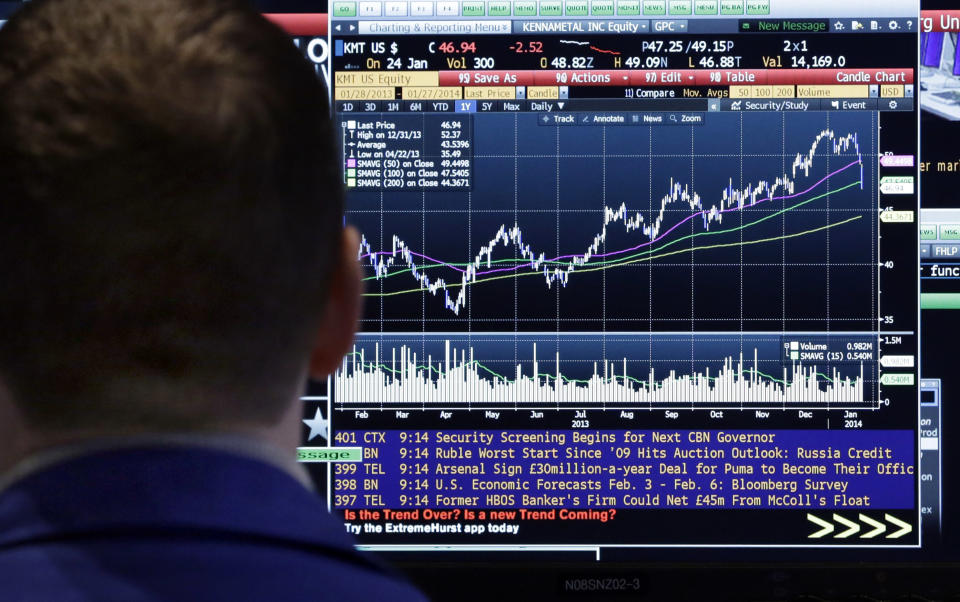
(178, 523)
(167, 569)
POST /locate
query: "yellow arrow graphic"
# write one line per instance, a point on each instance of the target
(878, 527)
(904, 527)
(826, 530)
(852, 527)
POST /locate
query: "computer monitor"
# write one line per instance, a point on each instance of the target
(642, 281)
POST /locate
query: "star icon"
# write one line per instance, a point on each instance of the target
(318, 426)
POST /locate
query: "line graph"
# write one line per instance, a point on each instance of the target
(719, 212)
(597, 371)
(732, 200)
(609, 264)
(591, 47)
(435, 264)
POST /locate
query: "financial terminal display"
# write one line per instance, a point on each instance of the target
(638, 274)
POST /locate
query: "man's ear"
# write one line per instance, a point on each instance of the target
(339, 323)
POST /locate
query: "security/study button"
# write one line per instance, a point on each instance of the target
(758, 7)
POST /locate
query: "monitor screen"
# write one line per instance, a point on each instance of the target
(641, 281)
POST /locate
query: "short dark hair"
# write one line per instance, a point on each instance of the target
(170, 213)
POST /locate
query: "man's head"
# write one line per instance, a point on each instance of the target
(171, 248)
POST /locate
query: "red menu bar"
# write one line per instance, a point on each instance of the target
(676, 77)
(300, 24)
(940, 20)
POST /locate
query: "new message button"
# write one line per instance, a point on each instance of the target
(329, 454)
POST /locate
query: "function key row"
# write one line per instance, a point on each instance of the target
(546, 8)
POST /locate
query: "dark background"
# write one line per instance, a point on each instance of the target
(291, 6)
(728, 574)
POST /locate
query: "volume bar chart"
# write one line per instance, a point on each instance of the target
(600, 371)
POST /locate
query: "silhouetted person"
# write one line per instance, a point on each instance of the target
(172, 268)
